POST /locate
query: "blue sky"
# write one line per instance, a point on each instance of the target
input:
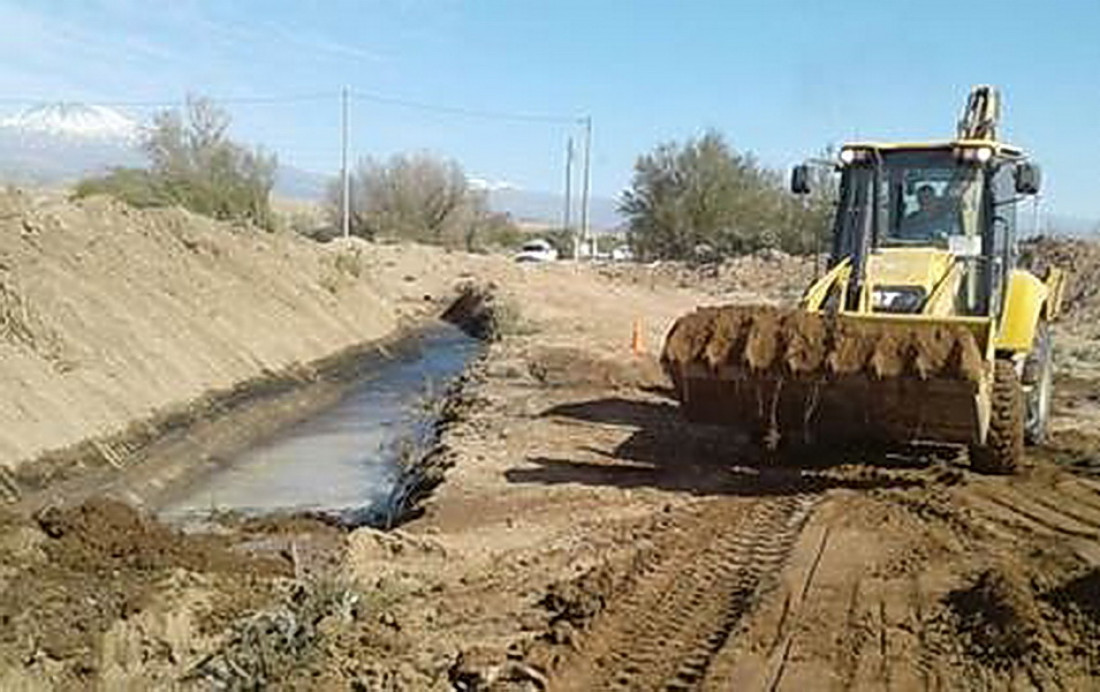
(780, 78)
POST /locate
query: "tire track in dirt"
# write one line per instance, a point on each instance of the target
(1041, 518)
(664, 632)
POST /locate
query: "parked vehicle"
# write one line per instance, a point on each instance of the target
(537, 250)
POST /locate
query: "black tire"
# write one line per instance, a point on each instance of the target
(1039, 378)
(1004, 444)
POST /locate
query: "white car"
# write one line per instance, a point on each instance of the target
(538, 250)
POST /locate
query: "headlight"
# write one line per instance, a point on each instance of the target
(850, 155)
(900, 299)
(979, 154)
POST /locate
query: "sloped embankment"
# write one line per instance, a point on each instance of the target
(110, 315)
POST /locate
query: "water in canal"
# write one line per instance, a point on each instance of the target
(344, 461)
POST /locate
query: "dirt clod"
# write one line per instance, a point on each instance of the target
(103, 562)
(998, 619)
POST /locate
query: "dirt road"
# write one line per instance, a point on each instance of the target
(658, 565)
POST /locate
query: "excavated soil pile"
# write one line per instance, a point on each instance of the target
(1080, 259)
(110, 314)
(68, 579)
(768, 272)
(764, 339)
(788, 375)
(473, 311)
(107, 534)
(1005, 623)
(1075, 338)
(997, 619)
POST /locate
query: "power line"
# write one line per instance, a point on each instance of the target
(467, 112)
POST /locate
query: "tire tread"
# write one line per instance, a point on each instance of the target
(1004, 445)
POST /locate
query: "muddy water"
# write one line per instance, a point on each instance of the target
(344, 461)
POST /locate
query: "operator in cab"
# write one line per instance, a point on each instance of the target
(931, 218)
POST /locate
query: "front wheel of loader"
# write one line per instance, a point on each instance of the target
(1004, 444)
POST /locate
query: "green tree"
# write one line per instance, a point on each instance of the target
(703, 197)
(417, 197)
(194, 163)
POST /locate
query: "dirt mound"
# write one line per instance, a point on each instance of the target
(1077, 604)
(1005, 623)
(771, 273)
(95, 565)
(998, 619)
(1080, 259)
(482, 311)
(577, 601)
(572, 367)
(107, 534)
(473, 311)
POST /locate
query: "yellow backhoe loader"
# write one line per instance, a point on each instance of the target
(922, 328)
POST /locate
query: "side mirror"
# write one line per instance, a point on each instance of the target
(800, 179)
(1028, 178)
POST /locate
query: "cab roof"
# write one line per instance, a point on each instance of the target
(999, 148)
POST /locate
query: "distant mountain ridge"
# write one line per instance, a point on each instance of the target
(549, 208)
(60, 143)
(73, 120)
(52, 145)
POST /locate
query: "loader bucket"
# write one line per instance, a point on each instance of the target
(792, 376)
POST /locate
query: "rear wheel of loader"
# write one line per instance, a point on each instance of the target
(1004, 445)
(1039, 376)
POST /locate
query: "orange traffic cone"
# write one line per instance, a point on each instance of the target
(636, 344)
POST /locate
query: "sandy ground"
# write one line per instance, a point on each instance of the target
(586, 537)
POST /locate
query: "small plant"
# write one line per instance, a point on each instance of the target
(330, 281)
(508, 320)
(350, 262)
(20, 324)
(270, 644)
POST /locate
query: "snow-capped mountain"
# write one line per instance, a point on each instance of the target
(488, 185)
(63, 142)
(60, 143)
(75, 120)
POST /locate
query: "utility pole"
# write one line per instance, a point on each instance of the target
(345, 181)
(568, 211)
(587, 176)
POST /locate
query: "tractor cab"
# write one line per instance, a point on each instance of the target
(927, 206)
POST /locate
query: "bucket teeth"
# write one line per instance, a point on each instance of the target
(800, 343)
(764, 363)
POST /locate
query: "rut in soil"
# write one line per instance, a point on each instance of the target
(663, 633)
